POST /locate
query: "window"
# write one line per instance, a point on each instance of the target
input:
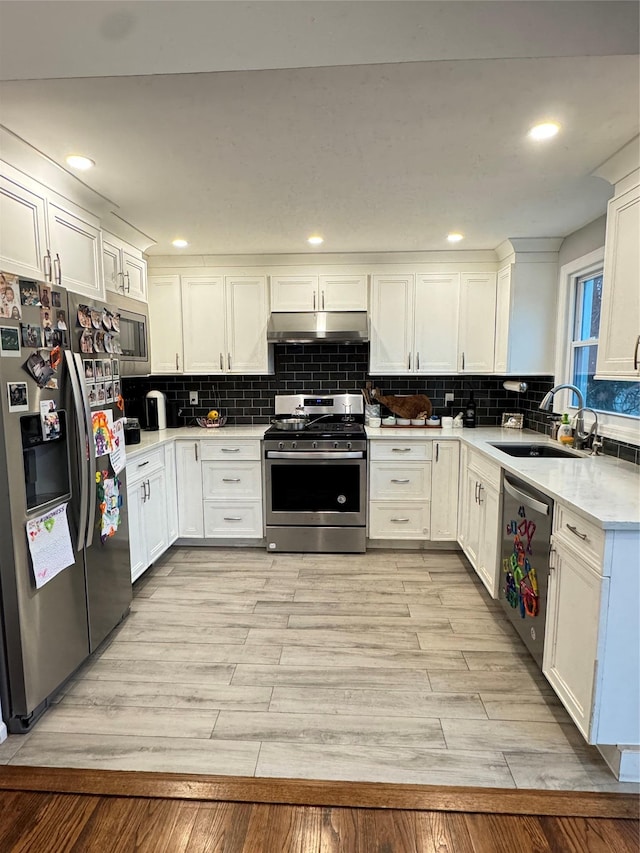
(617, 397)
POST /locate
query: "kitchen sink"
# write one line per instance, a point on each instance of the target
(533, 451)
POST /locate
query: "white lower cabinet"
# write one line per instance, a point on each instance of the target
(189, 480)
(147, 502)
(399, 489)
(445, 467)
(219, 485)
(479, 526)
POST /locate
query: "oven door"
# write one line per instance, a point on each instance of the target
(302, 489)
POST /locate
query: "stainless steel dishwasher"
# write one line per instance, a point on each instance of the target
(526, 534)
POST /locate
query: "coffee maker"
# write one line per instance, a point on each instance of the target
(156, 410)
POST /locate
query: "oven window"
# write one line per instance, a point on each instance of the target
(315, 488)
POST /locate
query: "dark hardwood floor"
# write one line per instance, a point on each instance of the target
(44, 810)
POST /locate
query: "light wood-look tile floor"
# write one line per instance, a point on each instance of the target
(391, 666)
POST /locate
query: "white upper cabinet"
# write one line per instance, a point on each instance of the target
(318, 292)
(619, 342)
(342, 292)
(22, 229)
(125, 270)
(392, 298)
(294, 293)
(165, 323)
(46, 237)
(526, 306)
(225, 324)
(247, 315)
(437, 299)
(476, 331)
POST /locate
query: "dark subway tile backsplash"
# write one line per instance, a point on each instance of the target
(325, 368)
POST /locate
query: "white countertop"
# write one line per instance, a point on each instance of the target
(605, 490)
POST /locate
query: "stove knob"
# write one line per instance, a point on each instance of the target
(294, 444)
(314, 445)
(348, 445)
(336, 444)
(281, 445)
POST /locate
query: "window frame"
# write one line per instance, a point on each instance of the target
(619, 427)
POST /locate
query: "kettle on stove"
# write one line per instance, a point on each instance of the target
(156, 410)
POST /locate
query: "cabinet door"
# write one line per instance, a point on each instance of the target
(571, 633)
(343, 293)
(135, 276)
(203, 317)
(487, 564)
(247, 316)
(111, 268)
(172, 492)
(77, 244)
(165, 324)
(392, 324)
(619, 343)
(503, 307)
(22, 230)
(137, 538)
(436, 323)
(477, 330)
(444, 491)
(189, 480)
(294, 293)
(154, 510)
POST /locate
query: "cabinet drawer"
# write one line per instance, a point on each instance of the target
(242, 520)
(399, 520)
(140, 467)
(399, 449)
(232, 480)
(221, 449)
(583, 536)
(487, 470)
(389, 481)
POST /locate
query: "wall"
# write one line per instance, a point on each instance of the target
(581, 242)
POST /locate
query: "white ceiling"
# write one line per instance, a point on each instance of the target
(406, 121)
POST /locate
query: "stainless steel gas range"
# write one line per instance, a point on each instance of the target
(316, 475)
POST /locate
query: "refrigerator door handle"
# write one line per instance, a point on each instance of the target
(80, 450)
(93, 466)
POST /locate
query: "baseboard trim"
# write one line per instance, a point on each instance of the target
(372, 795)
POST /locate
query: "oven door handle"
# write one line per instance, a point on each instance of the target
(315, 454)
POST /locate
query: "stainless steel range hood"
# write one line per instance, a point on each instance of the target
(347, 327)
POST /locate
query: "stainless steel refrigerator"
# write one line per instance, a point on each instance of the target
(47, 632)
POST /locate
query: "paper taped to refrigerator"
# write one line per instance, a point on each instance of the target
(118, 453)
(50, 544)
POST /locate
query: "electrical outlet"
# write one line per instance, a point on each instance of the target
(448, 398)
(193, 398)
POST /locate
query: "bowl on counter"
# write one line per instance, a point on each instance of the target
(403, 421)
(417, 421)
(390, 421)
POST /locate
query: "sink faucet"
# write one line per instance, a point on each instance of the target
(545, 405)
(582, 438)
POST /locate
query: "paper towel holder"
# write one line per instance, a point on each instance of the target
(515, 385)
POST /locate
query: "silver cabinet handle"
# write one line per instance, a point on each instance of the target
(401, 481)
(177, 362)
(635, 355)
(47, 266)
(409, 359)
(314, 300)
(196, 449)
(57, 263)
(463, 361)
(575, 530)
(229, 360)
(231, 480)
(477, 487)
(221, 362)
(233, 518)
(480, 488)
(128, 284)
(417, 361)
(400, 520)
(323, 300)
(401, 450)
(437, 451)
(143, 486)
(147, 486)
(230, 450)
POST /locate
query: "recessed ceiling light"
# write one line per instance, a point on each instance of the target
(455, 237)
(77, 161)
(546, 130)
(316, 240)
(180, 244)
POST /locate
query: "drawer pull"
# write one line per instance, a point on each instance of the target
(400, 520)
(233, 518)
(401, 450)
(576, 531)
(142, 464)
(230, 449)
(401, 481)
(231, 479)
